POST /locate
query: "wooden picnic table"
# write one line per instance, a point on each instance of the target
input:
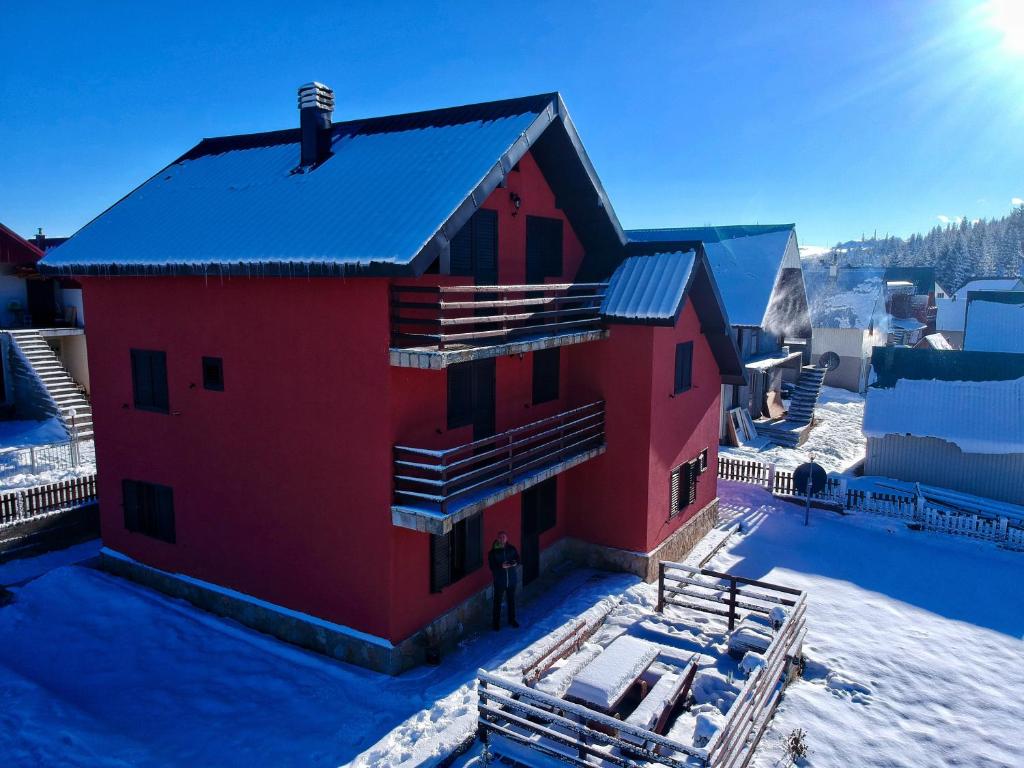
(604, 682)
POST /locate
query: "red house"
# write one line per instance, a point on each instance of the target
(331, 363)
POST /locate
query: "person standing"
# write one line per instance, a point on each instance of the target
(503, 560)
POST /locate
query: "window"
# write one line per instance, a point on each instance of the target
(542, 501)
(149, 380)
(543, 248)
(474, 249)
(703, 461)
(683, 486)
(456, 554)
(213, 373)
(148, 509)
(471, 396)
(684, 367)
(545, 375)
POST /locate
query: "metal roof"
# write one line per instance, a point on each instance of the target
(1008, 283)
(649, 288)
(387, 201)
(652, 289)
(746, 259)
(891, 364)
(995, 321)
(14, 249)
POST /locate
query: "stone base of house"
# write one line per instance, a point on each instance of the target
(645, 564)
(438, 637)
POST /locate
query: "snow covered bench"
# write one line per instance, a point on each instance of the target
(604, 682)
(656, 708)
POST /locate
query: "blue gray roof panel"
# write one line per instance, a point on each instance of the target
(649, 288)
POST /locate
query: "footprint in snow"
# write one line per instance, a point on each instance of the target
(840, 684)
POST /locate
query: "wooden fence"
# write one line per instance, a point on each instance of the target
(1004, 530)
(27, 503)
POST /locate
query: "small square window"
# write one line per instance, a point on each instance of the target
(213, 373)
(684, 367)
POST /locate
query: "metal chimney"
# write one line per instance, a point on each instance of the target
(316, 103)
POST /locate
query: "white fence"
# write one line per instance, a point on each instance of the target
(1005, 529)
(40, 459)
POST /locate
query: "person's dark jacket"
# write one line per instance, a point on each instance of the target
(503, 577)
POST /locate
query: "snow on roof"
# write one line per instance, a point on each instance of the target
(937, 341)
(990, 284)
(906, 323)
(994, 326)
(854, 298)
(977, 416)
(390, 195)
(649, 287)
(746, 260)
(950, 314)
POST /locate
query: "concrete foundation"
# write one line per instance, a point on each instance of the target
(440, 635)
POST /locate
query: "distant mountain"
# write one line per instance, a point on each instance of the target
(959, 252)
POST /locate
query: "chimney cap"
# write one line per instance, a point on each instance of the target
(316, 95)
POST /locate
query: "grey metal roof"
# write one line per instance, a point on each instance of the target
(649, 288)
(652, 289)
(387, 200)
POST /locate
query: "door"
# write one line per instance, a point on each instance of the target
(42, 302)
(539, 509)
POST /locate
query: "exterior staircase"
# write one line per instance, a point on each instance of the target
(65, 393)
(792, 430)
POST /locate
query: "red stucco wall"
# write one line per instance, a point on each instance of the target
(282, 481)
(621, 499)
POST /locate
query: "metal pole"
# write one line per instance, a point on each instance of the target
(807, 512)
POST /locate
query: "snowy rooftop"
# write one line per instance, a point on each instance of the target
(995, 326)
(746, 261)
(852, 299)
(977, 416)
(649, 287)
(990, 284)
(937, 341)
(390, 195)
(950, 314)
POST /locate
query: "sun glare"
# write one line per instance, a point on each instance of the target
(1007, 18)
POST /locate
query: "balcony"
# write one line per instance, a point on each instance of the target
(434, 489)
(433, 326)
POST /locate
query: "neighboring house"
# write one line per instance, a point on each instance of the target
(44, 367)
(848, 317)
(758, 271)
(994, 321)
(948, 418)
(952, 311)
(369, 351)
(910, 303)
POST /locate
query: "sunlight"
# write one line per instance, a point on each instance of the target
(1007, 18)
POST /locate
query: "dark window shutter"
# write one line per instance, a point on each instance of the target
(545, 375)
(543, 248)
(684, 366)
(159, 368)
(674, 489)
(474, 548)
(440, 562)
(164, 514)
(213, 373)
(692, 471)
(461, 252)
(485, 246)
(130, 501)
(460, 395)
(149, 380)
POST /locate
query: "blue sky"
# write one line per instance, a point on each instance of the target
(845, 117)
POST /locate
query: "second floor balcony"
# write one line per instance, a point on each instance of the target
(433, 326)
(436, 488)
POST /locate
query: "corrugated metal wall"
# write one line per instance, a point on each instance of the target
(936, 462)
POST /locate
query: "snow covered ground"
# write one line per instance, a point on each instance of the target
(914, 640)
(835, 441)
(914, 644)
(96, 671)
(53, 464)
(21, 434)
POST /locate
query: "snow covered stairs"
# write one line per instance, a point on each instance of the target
(65, 393)
(792, 431)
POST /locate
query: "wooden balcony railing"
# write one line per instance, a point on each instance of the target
(478, 473)
(439, 316)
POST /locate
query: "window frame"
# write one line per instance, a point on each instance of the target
(141, 364)
(148, 509)
(682, 380)
(217, 386)
(458, 553)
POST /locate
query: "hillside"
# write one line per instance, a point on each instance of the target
(958, 251)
